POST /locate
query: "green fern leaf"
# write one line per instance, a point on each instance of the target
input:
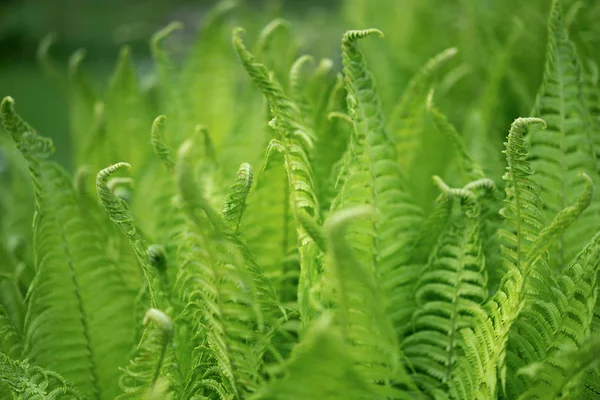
(477, 374)
(235, 205)
(449, 293)
(573, 364)
(373, 177)
(564, 150)
(557, 315)
(153, 358)
(297, 139)
(76, 285)
(29, 382)
(362, 308)
(319, 368)
(225, 290)
(469, 168)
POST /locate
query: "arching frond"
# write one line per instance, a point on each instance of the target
(226, 293)
(76, 285)
(373, 177)
(564, 150)
(468, 167)
(297, 139)
(522, 211)
(118, 212)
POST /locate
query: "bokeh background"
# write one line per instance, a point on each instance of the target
(501, 45)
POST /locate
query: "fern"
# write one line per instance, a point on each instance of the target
(75, 285)
(319, 368)
(226, 299)
(364, 324)
(374, 178)
(565, 148)
(405, 122)
(235, 205)
(485, 344)
(297, 140)
(449, 293)
(325, 268)
(33, 382)
(557, 316)
(142, 375)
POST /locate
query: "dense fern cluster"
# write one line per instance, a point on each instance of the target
(312, 273)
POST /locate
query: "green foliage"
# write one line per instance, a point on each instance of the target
(324, 269)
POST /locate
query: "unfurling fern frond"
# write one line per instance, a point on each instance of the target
(450, 292)
(153, 359)
(29, 382)
(564, 150)
(235, 205)
(76, 285)
(118, 212)
(478, 372)
(522, 211)
(297, 139)
(227, 295)
(158, 144)
(373, 177)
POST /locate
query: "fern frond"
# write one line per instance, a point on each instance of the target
(297, 139)
(522, 211)
(158, 144)
(235, 205)
(564, 150)
(48, 65)
(82, 103)
(266, 35)
(76, 285)
(485, 344)
(362, 306)
(268, 225)
(226, 293)
(153, 359)
(319, 368)
(127, 113)
(29, 382)
(118, 211)
(557, 315)
(564, 386)
(373, 177)
(450, 292)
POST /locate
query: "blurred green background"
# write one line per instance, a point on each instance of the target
(501, 45)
